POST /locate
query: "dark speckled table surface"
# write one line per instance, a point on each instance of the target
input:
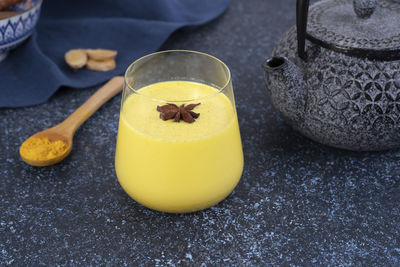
(298, 203)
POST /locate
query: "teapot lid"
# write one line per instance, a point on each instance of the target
(362, 28)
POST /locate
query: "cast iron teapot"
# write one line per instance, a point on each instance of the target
(336, 76)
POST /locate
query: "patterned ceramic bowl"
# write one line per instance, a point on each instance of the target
(15, 29)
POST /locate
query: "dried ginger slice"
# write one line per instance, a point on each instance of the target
(104, 65)
(76, 58)
(101, 54)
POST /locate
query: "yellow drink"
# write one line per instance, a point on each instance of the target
(178, 167)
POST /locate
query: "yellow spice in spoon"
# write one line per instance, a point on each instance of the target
(42, 148)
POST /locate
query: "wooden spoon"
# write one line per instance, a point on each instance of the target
(65, 130)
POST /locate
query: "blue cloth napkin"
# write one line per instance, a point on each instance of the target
(35, 70)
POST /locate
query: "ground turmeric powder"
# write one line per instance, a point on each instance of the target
(7, 3)
(36, 148)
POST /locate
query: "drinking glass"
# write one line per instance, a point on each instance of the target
(178, 164)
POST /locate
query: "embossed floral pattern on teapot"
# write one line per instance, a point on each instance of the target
(336, 76)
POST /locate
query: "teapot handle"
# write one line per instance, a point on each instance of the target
(301, 24)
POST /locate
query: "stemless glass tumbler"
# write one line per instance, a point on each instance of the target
(178, 147)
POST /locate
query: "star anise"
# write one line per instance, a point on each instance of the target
(172, 111)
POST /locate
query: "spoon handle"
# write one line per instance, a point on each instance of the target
(101, 96)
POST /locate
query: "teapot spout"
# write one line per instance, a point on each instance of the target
(287, 87)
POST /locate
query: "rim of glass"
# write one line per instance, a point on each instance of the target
(219, 90)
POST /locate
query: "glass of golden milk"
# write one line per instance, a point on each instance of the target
(178, 148)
